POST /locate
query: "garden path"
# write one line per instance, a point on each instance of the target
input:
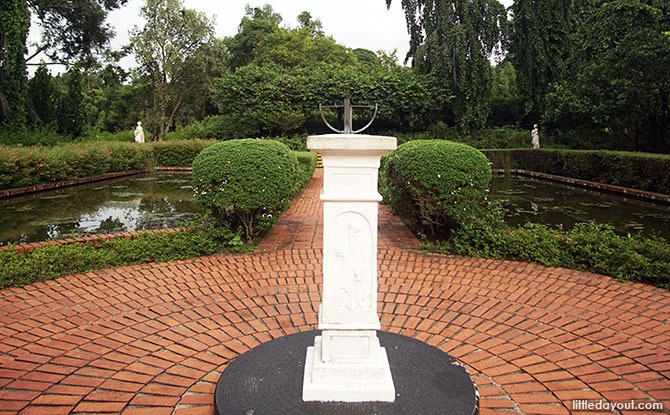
(154, 338)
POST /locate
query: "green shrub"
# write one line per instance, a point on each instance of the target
(307, 163)
(436, 184)
(247, 183)
(587, 246)
(52, 261)
(490, 138)
(31, 166)
(178, 153)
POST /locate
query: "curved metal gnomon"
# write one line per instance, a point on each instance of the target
(348, 116)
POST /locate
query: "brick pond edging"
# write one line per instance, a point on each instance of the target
(638, 194)
(95, 240)
(67, 183)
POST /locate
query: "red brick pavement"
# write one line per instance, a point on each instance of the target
(153, 339)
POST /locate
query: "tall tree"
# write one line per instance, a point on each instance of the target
(71, 118)
(168, 48)
(314, 26)
(41, 96)
(617, 83)
(73, 31)
(453, 40)
(291, 48)
(14, 25)
(257, 23)
(540, 45)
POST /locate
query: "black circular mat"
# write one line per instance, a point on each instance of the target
(267, 380)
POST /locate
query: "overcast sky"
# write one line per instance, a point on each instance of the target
(353, 23)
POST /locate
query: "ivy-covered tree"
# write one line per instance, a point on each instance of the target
(71, 118)
(169, 48)
(453, 40)
(41, 97)
(540, 45)
(14, 25)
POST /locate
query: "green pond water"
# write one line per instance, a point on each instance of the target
(527, 199)
(165, 200)
(148, 201)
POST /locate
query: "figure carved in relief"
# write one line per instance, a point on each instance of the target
(355, 270)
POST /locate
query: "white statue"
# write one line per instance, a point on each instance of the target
(139, 133)
(535, 134)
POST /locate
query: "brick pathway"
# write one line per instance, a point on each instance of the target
(153, 339)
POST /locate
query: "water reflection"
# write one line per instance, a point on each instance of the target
(134, 203)
(526, 199)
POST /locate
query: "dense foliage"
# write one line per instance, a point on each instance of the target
(615, 87)
(436, 185)
(246, 183)
(172, 50)
(540, 45)
(307, 163)
(14, 25)
(634, 170)
(52, 261)
(31, 166)
(454, 41)
(259, 100)
(587, 246)
(592, 73)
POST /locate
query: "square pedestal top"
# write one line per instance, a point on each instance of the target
(351, 142)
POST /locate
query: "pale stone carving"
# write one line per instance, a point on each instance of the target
(535, 134)
(139, 133)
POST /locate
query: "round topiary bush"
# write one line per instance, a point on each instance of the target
(246, 183)
(435, 185)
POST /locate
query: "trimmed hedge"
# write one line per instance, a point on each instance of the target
(307, 162)
(52, 261)
(30, 166)
(178, 153)
(501, 137)
(635, 170)
(586, 246)
(435, 185)
(246, 183)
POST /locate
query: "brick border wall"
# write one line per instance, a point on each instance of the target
(638, 194)
(57, 185)
(95, 240)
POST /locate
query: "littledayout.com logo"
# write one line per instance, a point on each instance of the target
(606, 406)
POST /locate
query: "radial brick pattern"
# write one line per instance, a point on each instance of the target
(153, 339)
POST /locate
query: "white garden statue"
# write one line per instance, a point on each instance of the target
(139, 133)
(535, 135)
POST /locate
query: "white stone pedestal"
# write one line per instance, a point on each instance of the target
(347, 364)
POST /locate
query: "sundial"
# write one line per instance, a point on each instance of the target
(349, 366)
(349, 116)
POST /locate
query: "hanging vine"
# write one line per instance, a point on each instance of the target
(14, 25)
(454, 41)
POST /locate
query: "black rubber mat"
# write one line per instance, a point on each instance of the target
(267, 380)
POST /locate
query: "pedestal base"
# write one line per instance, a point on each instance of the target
(348, 380)
(268, 380)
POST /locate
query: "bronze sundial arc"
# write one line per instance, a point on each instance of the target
(348, 116)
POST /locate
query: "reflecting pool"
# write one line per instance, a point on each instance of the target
(526, 199)
(147, 201)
